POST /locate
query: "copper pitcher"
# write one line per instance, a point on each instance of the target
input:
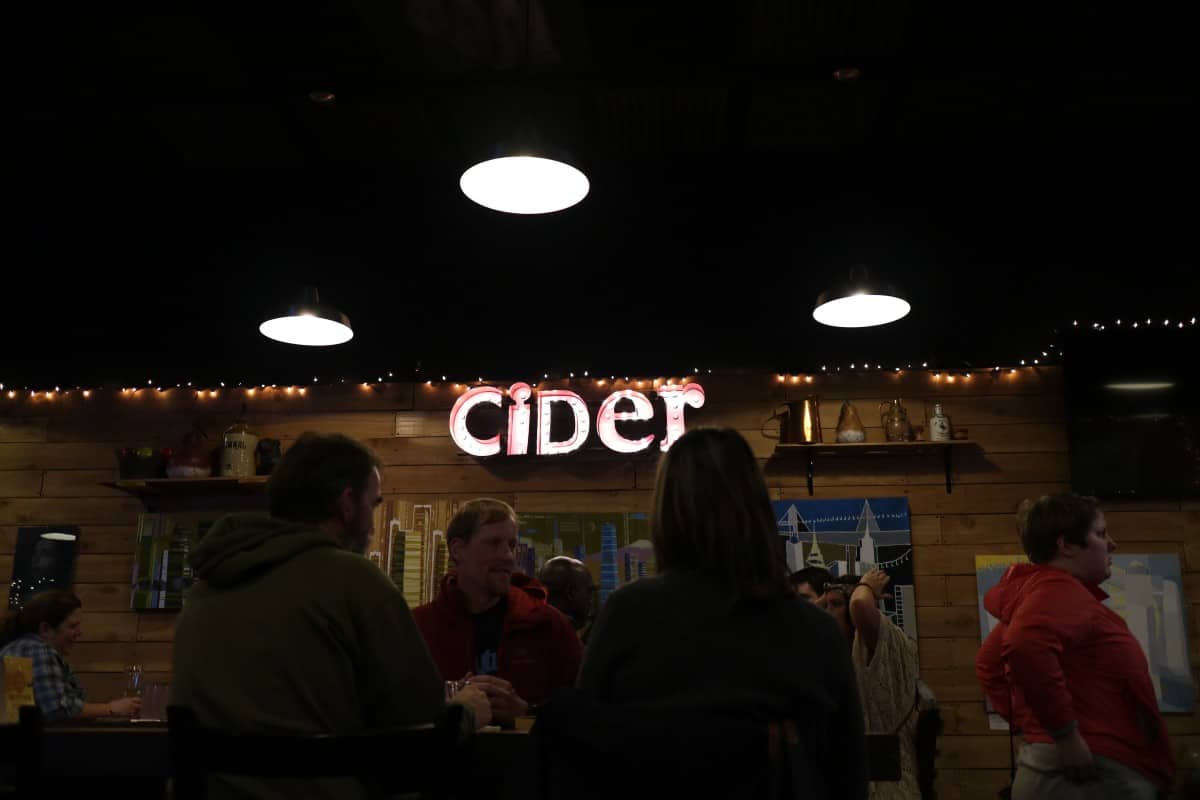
(799, 421)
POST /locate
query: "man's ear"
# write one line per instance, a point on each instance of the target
(44, 629)
(1065, 548)
(455, 547)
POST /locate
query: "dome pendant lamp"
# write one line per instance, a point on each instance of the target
(524, 180)
(523, 176)
(860, 303)
(308, 323)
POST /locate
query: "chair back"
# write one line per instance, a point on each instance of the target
(673, 749)
(411, 759)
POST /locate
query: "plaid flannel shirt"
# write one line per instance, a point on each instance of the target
(57, 692)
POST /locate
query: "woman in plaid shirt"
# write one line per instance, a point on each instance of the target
(45, 630)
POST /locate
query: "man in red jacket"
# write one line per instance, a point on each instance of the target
(492, 625)
(1078, 680)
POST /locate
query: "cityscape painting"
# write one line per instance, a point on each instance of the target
(615, 547)
(850, 537)
(410, 545)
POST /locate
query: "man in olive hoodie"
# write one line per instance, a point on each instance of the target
(290, 630)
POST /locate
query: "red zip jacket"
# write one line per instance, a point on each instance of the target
(539, 650)
(1071, 660)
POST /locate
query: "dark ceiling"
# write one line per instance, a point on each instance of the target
(1011, 166)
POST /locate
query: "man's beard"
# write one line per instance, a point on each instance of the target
(358, 536)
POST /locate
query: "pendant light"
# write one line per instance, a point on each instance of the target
(860, 303)
(524, 176)
(524, 181)
(308, 323)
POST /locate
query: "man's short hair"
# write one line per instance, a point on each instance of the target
(816, 577)
(474, 514)
(1042, 521)
(313, 473)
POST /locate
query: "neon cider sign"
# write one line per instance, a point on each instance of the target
(674, 396)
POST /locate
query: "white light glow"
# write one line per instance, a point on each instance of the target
(546, 447)
(518, 419)
(524, 184)
(307, 330)
(608, 417)
(861, 311)
(1139, 386)
(676, 397)
(458, 422)
(60, 537)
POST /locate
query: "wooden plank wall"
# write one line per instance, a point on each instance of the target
(55, 451)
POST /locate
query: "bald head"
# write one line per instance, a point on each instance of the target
(569, 584)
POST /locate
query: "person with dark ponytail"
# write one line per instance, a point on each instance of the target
(44, 630)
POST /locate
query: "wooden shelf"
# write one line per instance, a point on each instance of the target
(169, 487)
(811, 450)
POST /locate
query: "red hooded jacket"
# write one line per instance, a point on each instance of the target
(539, 650)
(1071, 660)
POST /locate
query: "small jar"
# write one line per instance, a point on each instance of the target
(238, 446)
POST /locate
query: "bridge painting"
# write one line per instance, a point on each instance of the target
(850, 536)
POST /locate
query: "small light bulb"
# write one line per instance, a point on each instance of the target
(808, 378)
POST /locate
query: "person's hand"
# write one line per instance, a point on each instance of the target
(475, 699)
(876, 580)
(126, 707)
(507, 705)
(1075, 758)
